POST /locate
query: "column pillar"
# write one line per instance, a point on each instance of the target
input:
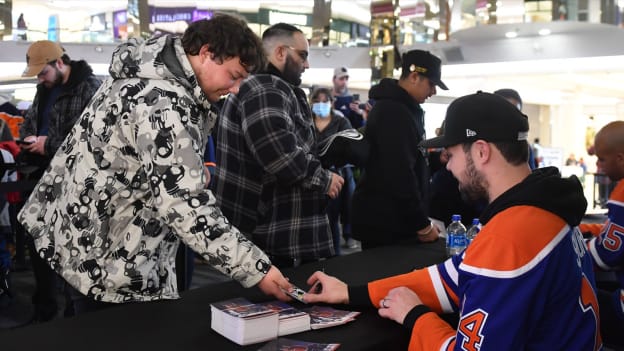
(6, 19)
(138, 19)
(321, 22)
(383, 40)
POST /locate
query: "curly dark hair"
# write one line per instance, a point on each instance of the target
(227, 37)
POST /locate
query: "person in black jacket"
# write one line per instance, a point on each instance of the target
(390, 200)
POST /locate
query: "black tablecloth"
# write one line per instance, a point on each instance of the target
(185, 324)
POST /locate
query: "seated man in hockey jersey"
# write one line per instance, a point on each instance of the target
(526, 281)
(607, 244)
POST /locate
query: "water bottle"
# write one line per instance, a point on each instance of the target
(474, 229)
(456, 236)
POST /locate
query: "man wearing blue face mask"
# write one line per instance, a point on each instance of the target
(329, 122)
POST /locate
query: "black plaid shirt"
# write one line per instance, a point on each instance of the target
(269, 182)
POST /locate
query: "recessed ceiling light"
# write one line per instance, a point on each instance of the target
(544, 31)
(511, 34)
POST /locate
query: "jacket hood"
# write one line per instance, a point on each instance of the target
(389, 88)
(156, 58)
(544, 188)
(80, 70)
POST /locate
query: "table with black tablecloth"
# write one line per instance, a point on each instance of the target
(184, 324)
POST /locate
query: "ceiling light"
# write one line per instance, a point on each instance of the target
(511, 34)
(544, 31)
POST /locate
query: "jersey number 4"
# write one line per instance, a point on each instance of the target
(471, 328)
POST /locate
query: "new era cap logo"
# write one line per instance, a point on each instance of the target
(470, 133)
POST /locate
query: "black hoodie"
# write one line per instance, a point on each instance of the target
(390, 201)
(544, 188)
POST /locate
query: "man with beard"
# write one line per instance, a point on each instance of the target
(269, 181)
(526, 281)
(607, 239)
(65, 87)
(64, 90)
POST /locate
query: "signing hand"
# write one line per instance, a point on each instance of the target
(273, 283)
(397, 304)
(331, 289)
(335, 186)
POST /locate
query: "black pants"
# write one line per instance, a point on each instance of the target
(44, 298)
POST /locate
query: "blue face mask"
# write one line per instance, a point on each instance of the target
(321, 109)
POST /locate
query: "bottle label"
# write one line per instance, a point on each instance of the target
(455, 240)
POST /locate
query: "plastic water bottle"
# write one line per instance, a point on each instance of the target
(456, 236)
(474, 229)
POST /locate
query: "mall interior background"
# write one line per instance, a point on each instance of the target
(565, 57)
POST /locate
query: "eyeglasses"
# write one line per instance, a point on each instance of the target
(302, 53)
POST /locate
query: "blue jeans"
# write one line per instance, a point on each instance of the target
(339, 209)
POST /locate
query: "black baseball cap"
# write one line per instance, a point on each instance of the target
(481, 116)
(424, 63)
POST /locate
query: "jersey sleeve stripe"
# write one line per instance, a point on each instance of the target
(615, 202)
(522, 269)
(595, 255)
(448, 344)
(451, 270)
(438, 286)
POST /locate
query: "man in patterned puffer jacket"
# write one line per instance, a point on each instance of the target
(128, 182)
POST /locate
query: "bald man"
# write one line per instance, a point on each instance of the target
(607, 245)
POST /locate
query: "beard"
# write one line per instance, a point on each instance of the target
(475, 190)
(58, 79)
(292, 72)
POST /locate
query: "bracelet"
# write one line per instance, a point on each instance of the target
(428, 230)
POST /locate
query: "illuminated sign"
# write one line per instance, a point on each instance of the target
(292, 18)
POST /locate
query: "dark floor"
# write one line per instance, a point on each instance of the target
(19, 311)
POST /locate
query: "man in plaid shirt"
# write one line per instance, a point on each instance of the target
(269, 181)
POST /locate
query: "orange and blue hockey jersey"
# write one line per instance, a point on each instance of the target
(607, 247)
(525, 283)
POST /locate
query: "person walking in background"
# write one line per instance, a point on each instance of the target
(607, 242)
(390, 202)
(269, 181)
(128, 182)
(339, 210)
(348, 104)
(64, 89)
(526, 281)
